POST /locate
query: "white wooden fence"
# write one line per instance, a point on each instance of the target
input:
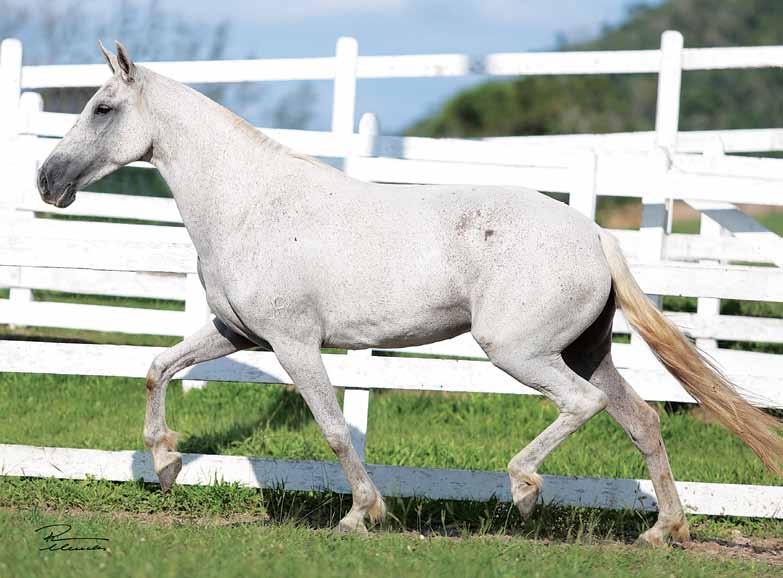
(159, 262)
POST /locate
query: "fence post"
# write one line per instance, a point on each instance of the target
(708, 308)
(10, 97)
(582, 196)
(23, 176)
(656, 208)
(667, 112)
(344, 91)
(356, 404)
(364, 146)
(356, 401)
(10, 84)
(196, 314)
(10, 93)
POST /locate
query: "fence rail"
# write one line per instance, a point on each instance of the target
(159, 262)
(415, 66)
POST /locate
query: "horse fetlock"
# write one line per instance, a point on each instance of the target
(367, 501)
(169, 439)
(377, 511)
(525, 490)
(673, 527)
(165, 438)
(681, 533)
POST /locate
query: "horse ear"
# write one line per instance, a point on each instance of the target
(111, 60)
(127, 68)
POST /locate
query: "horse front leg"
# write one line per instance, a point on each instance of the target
(305, 367)
(212, 341)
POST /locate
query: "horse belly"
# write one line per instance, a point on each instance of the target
(404, 327)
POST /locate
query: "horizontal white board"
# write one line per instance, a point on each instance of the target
(133, 207)
(437, 484)
(96, 282)
(679, 247)
(415, 66)
(193, 72)
(730, 141)
(93, 317)
(723, 327)
(759, 375)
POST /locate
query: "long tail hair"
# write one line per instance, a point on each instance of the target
(698, 375)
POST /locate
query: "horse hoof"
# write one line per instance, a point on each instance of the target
(652, 538)
(168, 473)
(525, 491)
(345, 527)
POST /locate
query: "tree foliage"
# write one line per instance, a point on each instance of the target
(604, 103)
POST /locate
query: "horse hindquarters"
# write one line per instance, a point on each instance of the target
(590, 356)
(524, 331)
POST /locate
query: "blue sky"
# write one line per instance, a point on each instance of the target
(311, 27)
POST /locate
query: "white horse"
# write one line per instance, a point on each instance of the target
(296, 256)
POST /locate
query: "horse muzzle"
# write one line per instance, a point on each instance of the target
(52, 192)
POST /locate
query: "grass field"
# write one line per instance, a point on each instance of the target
(161, 549)
(286, 532)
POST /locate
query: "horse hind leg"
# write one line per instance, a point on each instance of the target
(576, 399)
(642, 424)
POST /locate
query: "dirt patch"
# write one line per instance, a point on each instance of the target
(766, 550)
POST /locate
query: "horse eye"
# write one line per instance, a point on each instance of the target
(102, 109)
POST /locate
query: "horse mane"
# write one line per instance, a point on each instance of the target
(267, 141)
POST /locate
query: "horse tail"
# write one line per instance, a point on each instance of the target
(698, 375)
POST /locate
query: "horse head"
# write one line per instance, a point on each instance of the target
(111, 131)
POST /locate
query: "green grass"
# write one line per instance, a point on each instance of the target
(109, 300)
(467, 431)
(471, 431)
(772, 221)
(165, 550)
(284, 533)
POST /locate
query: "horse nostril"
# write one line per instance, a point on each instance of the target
(42, 183)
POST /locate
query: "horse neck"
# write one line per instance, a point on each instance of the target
(217, 165)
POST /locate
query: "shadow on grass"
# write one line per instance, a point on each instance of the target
(215, 442)
(289, 412)
(460, 519)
